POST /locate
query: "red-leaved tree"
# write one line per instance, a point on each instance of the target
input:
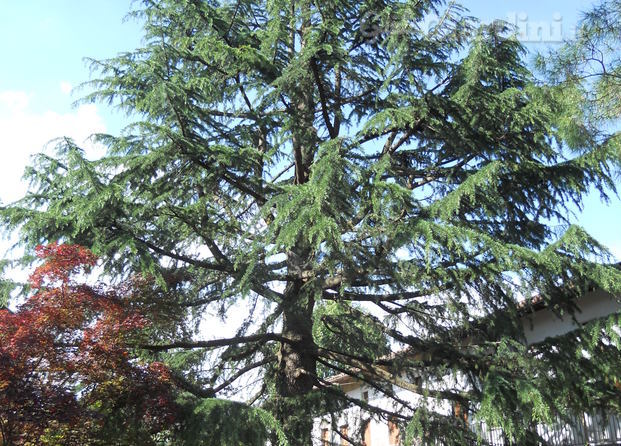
(66, 373)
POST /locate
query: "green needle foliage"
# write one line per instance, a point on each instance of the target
(351, 192)
(591, 64)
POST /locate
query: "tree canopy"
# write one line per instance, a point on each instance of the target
(66, 377)
(360, 194)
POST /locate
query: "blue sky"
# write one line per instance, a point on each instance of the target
(43, 44)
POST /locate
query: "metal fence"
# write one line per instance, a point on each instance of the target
(597, 429)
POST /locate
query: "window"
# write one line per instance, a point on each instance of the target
(365, 396)
(394, 438)
(325, 437)
(344, 432)
(460, 412)
(366, 439)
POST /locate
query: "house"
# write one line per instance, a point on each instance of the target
(539, 322)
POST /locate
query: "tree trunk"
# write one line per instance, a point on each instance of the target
(296, 363)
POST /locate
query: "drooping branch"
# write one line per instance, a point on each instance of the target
(329, 388)
(172, 255)
(239, 373)
(356, 375)
(375, 372)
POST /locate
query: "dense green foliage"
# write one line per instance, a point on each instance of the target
(412, 184)
(337, 323)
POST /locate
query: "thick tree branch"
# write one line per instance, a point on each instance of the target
(322, 98)
(214, 343)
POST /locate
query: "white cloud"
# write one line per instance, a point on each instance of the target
(13, 101)
(24, 132)
(66, 87)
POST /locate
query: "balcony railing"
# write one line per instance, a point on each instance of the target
(587, 429)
